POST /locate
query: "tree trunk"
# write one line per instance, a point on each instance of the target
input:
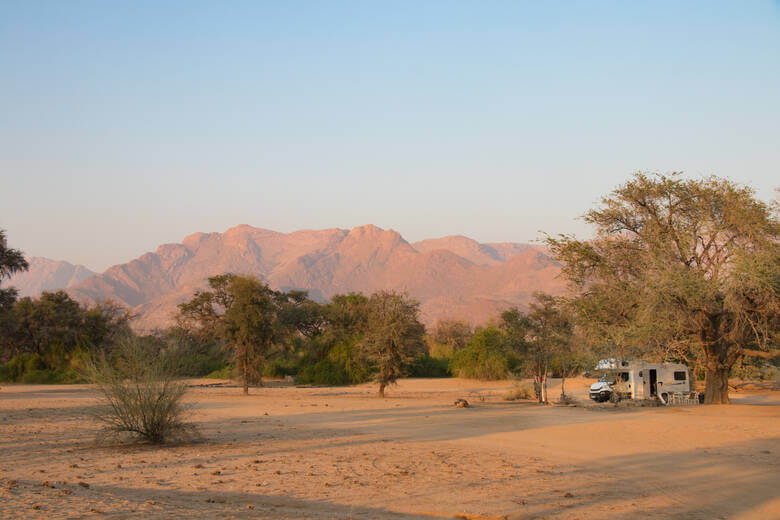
(563, 385)
(718, 360)
(246, 375)
(381, 390)
(716, 390)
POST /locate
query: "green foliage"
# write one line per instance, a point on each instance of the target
(31, 368)
(325, 372)
(450, 336)
(393, 336)
(347, 355)
(279, 369)
(678, 267)
(11, 261)
(485, 357)
(429, 366)
(225, 372)
(755, 370)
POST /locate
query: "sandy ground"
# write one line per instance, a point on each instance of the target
(292, 453)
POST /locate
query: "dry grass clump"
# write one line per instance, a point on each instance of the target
(140, 393)
(523, 391)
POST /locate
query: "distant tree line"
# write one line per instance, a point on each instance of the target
(678, 270)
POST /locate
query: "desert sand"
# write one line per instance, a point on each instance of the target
(293, 453)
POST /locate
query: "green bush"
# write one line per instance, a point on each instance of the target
(200, 365)
(483, 358)
(225, 372)
(31, 369)
(325, 372)
(345, 355)
(428, 366)
(279, 369)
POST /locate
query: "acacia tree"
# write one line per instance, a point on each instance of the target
(674, 260)
(11, 262)
(455, 334)
(241, 311)
(549, 336)
(393, 336)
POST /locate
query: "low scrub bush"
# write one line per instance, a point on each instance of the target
(522, 391)
(140, 393)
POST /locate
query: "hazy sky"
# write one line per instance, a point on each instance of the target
(124, 125)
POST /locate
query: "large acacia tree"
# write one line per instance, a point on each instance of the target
(683, 262)
(393, 336)
(240, 310)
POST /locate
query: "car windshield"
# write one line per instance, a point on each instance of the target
(607, 378)
(612, 377)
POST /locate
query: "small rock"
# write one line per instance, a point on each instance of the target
(83, 484)
(461, 403)
(216, 472)
(198, 466)
(568, 495)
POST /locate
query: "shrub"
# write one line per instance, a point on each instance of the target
(31, 369)
(483, 358)
(223, 373)
(356, 368)
(140, 393)
(325, 372)
(523, 391)
(280, 369)
(428, 366)
(754, 370)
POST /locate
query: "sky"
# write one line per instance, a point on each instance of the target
(125, 125)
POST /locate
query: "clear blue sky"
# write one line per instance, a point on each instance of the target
(124, 125)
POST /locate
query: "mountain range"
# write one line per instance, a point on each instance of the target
(48, 275)
(451, 277)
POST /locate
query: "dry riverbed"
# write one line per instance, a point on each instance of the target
(294, 453)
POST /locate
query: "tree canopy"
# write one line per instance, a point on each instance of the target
(393, 336)
(680, 267)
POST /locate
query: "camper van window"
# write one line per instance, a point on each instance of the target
(679, 376)
(624, 376)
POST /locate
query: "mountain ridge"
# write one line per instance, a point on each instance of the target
(452, 277)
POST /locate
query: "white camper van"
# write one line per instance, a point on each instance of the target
(640, 380)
